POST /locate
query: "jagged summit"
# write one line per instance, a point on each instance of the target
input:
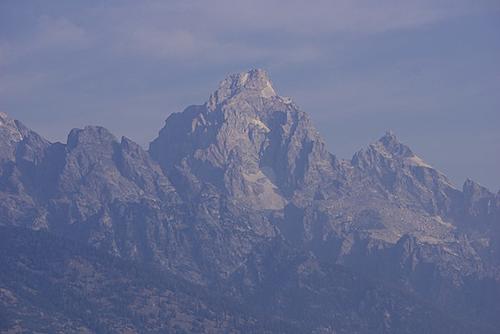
(390, 145)
(259, 146)
(253, 83)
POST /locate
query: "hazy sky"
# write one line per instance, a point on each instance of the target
(428, 70)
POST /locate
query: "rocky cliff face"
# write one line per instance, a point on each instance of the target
(398, 172)
(241, 193)
(21, 151)
(248, 142)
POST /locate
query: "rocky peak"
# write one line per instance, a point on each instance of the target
(90, 135)
(254, 83)
(389, 145)
(398, 170)
(257, 144)
(390, 150)
(95, 169)
(18, 141)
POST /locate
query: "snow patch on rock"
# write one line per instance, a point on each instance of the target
(257, 122)
(417, 161)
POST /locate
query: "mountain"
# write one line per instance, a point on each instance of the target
(248, 142)
(52, 284)
(240, 199)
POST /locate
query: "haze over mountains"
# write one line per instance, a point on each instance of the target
(238, 219)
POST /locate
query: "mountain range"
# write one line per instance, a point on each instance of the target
(237, 219)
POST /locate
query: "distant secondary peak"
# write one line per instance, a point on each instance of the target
(255, 82)
(390, 145)
(89, 135)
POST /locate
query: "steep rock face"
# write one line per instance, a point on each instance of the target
(399, 172)
(98, 190)
(10, 136)
(98, 168)
(241, 161)
(387, 192)
(395, 197)
(109, 192)
(18, 143)
(21, 151)
(479, 203)
(480, 218)
(247, 142)
(252, 148)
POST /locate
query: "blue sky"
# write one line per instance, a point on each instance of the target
(428, 70)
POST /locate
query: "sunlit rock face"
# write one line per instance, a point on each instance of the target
(247, 141)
